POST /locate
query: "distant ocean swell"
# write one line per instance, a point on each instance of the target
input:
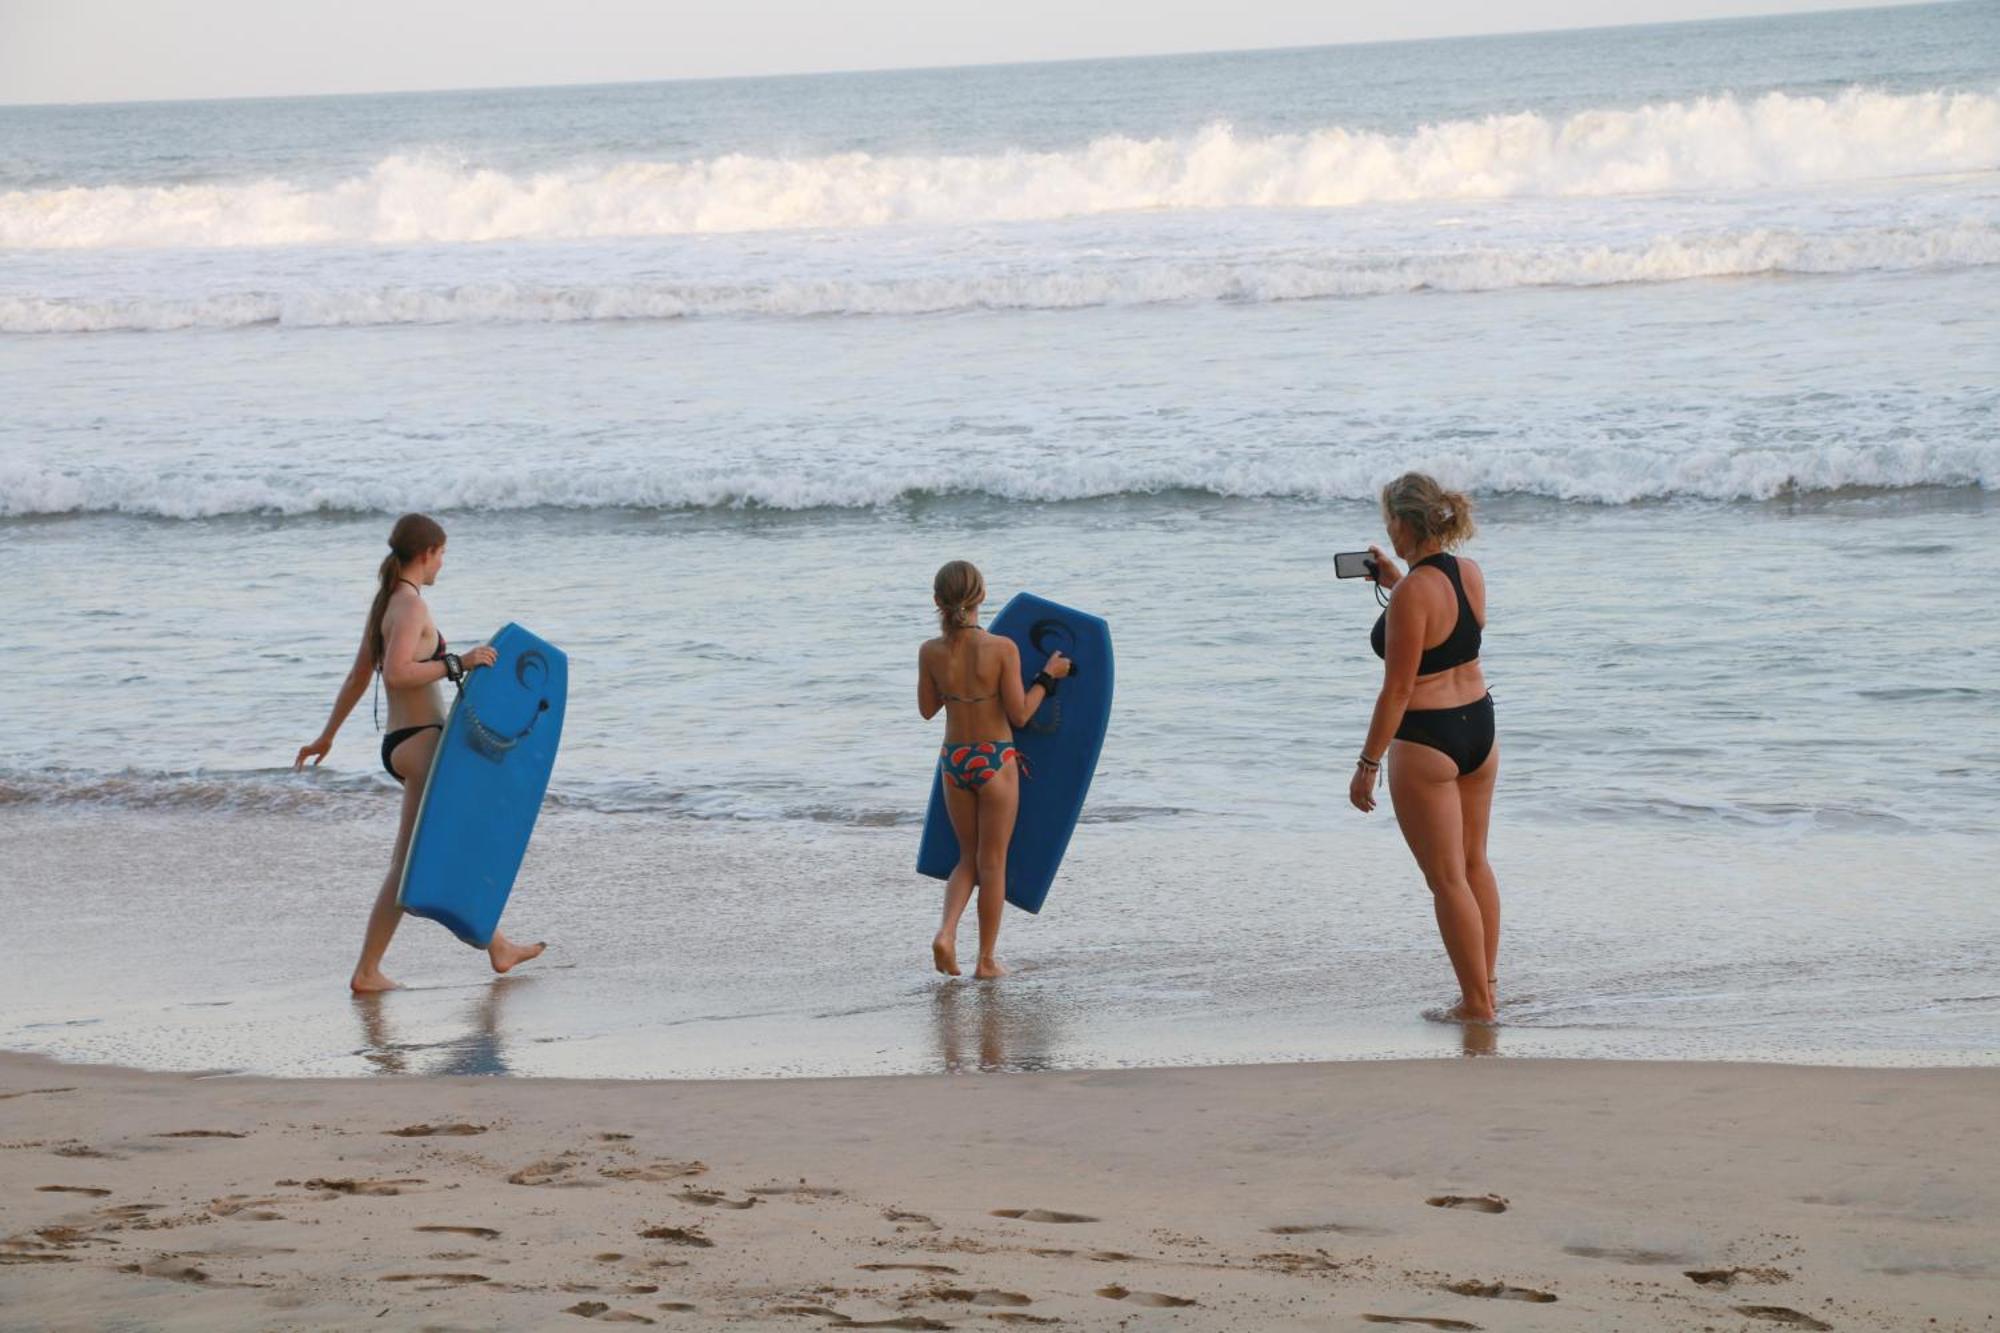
(1666, 259)
(1953, 454)
(1723, 142)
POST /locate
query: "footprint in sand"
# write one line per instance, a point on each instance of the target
(173, 1270)
(477, 1233)
(909, 1220)
(1292, 1262)
(370, 1188)
(457, 1129)
(1626, 1256)
(1016, 1317)
(84, 1150)
(88, 1191)
(33, 1092)
(437, 1281)
(1780, 1314)
(946, 1269)
(1158, 1300)
(1321, 1228)
(988, 1296)
(604, 1314)
(1420, 1321)
(1476, 1203)
(1729, 1277)
(655, 1172)
(679, 1307)
(799, 1191)
(1040, 1215)
(10, 1257)
(612, 1136)
(201, 1134)
(678, 1236)
(1499, 1291)
(543, 1172)
(256, 1207)
(710, 1199)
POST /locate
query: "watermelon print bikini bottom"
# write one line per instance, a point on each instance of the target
(972, 764)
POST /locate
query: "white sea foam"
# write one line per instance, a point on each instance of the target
(1724, 142)
(1666, 259)
(1590, 472)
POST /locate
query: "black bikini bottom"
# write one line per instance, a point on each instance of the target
(397, 737)
(1465, 733)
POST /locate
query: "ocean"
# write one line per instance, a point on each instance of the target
(705, 379)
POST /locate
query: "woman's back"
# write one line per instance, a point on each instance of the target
(968, 666)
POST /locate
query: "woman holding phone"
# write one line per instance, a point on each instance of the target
(1433, 725)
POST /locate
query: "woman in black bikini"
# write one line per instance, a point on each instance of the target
(1434, 723)
(403, 645)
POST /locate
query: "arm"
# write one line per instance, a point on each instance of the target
(929, 697)
(352, 687)
(1021, 704)
(1403, 648)
(400, 669)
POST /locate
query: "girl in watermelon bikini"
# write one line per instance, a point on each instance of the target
(402, 643)
(975, 677)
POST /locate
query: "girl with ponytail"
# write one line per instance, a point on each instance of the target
(401, 645)
(1433, 724)
(975, 677)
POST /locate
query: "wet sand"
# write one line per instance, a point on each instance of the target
(1473, 1194)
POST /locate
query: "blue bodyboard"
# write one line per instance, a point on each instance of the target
(1061, 743)
(485, 788)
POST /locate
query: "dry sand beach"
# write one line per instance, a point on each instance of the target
(1472, 1194)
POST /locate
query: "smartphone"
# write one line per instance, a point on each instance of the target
(1354, 564)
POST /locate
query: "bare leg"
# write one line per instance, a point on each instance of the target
(1423, 784)
(999, 802)
(413, 762)
(963, 807)
(1475, 795)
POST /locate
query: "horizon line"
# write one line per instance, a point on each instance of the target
(864, 70)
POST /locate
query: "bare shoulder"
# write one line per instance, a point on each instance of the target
(1471, 574)
(930, 648)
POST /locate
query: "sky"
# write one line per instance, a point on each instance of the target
(144, 50)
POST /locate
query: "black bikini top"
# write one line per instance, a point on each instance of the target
(1460, 646)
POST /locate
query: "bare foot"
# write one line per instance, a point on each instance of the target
(371, 983)
(944, 956)
(988, 969)
(507, 955)
(1459, 1013)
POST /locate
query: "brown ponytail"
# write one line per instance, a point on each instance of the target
(1428, 510)
(411, 537)
(958, 590)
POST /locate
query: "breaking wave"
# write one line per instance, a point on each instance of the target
(1606, 472)
(1711, 143)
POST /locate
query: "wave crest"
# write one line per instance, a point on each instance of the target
(1585, 471)
(1720, 142)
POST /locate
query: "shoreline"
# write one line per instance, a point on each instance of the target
(1637, 1195)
